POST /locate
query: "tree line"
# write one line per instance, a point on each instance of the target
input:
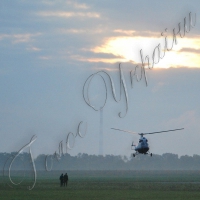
(167, 161)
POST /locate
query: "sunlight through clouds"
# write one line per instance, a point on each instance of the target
(129, 48)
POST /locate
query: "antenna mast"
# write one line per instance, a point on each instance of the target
(101, 133)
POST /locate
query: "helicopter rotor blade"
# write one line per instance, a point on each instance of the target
(124, 130)
(162, 131)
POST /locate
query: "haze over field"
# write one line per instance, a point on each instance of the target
(49, 48)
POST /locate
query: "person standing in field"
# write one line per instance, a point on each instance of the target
(61, 180)
(65, 179)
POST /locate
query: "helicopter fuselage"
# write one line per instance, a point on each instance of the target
(143, 146)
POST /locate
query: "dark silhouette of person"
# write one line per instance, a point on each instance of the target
(61, 180)
(65, 179)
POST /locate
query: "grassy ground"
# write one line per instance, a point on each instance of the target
(105, 185)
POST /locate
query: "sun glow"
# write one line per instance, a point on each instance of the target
(129, 49)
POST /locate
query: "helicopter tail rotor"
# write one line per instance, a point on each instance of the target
(133, 146)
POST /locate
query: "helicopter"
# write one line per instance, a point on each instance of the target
(143, 146)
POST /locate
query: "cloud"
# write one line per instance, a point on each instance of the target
(78, 5)
(80, 31)
(99, 58)
(19, 38)
(33, 49)
(45, 57)
(69, 14)
(188, 119)
(190, 50)
(69, 4)
(4, 36)
(135, 33)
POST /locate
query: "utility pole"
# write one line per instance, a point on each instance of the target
(101, 133)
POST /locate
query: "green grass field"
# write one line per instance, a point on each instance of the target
(116, 185)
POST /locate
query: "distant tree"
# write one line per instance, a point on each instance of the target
(170, 161)
(186, 162)
(167, 161)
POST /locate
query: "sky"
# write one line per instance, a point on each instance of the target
(49, 49)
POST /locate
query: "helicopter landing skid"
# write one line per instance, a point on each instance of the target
(134, 154)
(149, 154)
